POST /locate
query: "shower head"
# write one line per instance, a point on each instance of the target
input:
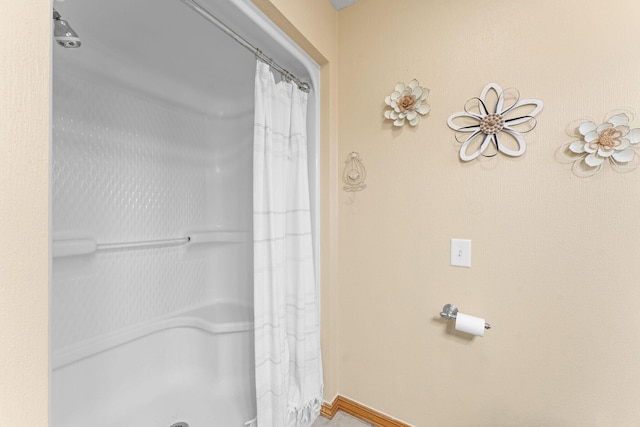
(63, 33)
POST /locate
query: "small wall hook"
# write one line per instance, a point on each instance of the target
(354, 173)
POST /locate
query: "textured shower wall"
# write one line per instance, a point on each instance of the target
(130, 168)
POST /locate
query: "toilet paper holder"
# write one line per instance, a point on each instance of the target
(450, 312)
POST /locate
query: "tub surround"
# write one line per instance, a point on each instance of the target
(151, 229)
(194, 366)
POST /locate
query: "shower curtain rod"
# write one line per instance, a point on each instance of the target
(197, 7)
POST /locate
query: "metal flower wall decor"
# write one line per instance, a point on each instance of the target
(494, 122)
(613, 141)
(354, 173)
(407, 102)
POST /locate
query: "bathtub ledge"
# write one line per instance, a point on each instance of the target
(202, 318)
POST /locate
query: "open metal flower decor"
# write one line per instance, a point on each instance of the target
(494, 123)
(613, 141)
(354, 173)
(407, 102)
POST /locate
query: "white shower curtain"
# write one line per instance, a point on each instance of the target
(286, 304)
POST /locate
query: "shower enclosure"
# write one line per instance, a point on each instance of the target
(152, 250)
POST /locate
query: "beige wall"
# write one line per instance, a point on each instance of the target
(24, 196)
(555, 258)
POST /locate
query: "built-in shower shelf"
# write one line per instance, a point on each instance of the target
(86, 246)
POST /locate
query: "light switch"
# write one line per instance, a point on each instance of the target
(461, 252)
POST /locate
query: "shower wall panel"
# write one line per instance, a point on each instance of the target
(130, 167)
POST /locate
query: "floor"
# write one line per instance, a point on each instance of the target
(340, 420)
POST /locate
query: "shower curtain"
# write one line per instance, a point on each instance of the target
(286, 305)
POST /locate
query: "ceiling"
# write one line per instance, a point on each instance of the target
(341, 4)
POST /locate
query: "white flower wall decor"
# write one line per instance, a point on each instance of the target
(494, 123)
(407, 103)
(613, 141)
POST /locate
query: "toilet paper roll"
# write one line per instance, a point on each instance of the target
(470, 324)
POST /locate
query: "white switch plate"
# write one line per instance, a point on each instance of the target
(461, 252)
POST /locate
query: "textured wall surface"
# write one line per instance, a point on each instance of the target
(551, 252)
(128, 168)
(24, 172)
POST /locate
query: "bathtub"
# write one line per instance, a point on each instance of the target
(193, 367)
